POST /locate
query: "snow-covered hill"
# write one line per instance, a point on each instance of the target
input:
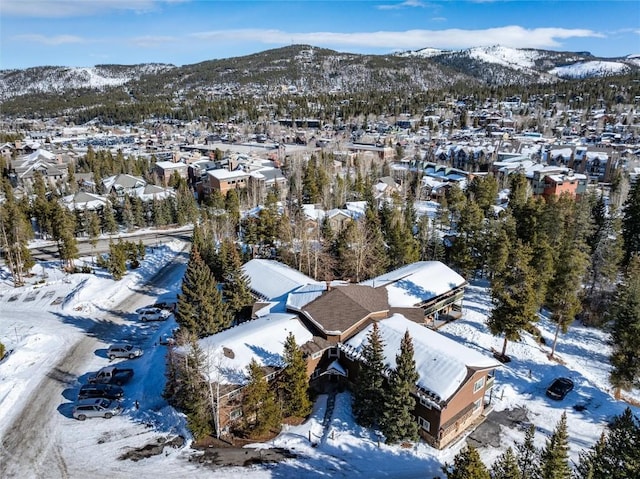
(588, 69)
(545, 65)
(60, 79)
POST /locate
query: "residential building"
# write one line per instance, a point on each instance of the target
(331, 320)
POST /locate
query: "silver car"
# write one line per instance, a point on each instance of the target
(153, 314)
(97, 407)
(123, 351)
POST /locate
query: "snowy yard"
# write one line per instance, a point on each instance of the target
(43, 322)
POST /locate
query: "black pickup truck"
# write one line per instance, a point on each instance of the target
(111, 375)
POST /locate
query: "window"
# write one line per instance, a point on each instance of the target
(424, 424)
(334, 353)
(477, 404)
(478, 385)
(235, 414)
(316, 355)
(425, 403)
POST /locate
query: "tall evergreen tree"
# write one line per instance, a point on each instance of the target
(235, 286)
(616, 455)
(554, 458)
(294, 382)
(564, 291)
(506, 466)
(63, 224)
(15, 232)
(117, 263)
(187, 389)
(40, 206)
(625, 329)
(513, 296)
(466, 465)
(201, 309)
(368, 407)
(528, 456)
(631, 223)
(109, 223)
(398, 422)
(259, 408)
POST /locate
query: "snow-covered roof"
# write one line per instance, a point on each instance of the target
(123, 181)
(442, 363)
(223, 174)
(262, 339)
(272, 280)
(299, 298)
(83, 200)
(418, 282)
(170, 165)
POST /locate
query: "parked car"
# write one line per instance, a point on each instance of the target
(97, 407)
(123, 351)
(559, 388)
(107, 391)
(111, 375)
(153, 314)
(169, 306)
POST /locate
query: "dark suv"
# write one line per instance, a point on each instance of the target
(107, 391)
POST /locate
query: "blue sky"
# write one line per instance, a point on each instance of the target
(90, 32)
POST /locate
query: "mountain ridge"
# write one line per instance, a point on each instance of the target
(300, 69)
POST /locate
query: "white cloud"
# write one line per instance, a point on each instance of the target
(76, 8)
(405, 4)
(152, 41)
(53, 40)
(512, 36)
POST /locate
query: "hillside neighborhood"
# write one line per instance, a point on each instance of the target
(384, 287)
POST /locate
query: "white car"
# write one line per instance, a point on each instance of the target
(123, 351)
(153, 314)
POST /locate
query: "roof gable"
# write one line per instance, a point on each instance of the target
(442, 363)
(342, 307)
(416, 283)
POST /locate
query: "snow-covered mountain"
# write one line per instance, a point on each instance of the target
(299, 68)
(547, 65)
(594, 68)
(61, 79)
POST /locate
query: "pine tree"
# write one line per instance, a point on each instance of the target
(631, 223)
(117, 263)
(616, 455)
(40, 206)
(201, 309)
(109, 223)
(235, 286)
(506, 466)
(15, 231)
(197, 403)
(528, 456)
(128, 219)
(369, 387)
(513, 296)
(63, 223)
(466, 465)
(554, 458)
(625, 331)
(294, 382)
(259, 407)
(564, 291)
(94, 229)
(398, 422)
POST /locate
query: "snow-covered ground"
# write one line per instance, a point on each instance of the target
(42, 322)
